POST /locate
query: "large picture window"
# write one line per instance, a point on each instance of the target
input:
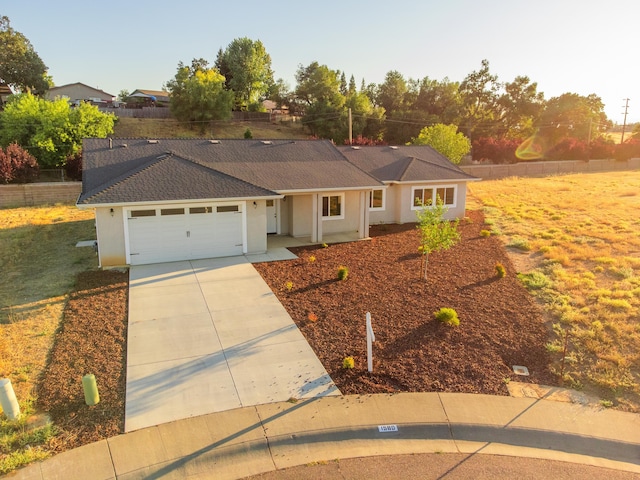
(422, 196)
(333, 206)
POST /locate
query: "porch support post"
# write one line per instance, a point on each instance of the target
(316, 218)
(363, 225)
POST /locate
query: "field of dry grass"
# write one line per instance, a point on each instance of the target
(168, 128)
(576, 242)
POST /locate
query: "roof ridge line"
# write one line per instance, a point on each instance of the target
(406, 167)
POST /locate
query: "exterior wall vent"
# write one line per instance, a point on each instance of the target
(153, 142)
(124, 145)
(267, 142)
(393, 147)
(214, 142)
(355, 147)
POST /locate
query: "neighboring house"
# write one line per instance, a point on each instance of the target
(176, 199)
(159, 95)
(414, 175)
(76, 92)
(5, 92)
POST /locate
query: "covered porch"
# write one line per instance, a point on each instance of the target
(277, 245)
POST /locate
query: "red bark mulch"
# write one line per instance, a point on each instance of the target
(500, 323)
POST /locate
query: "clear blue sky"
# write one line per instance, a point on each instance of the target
(579, 46)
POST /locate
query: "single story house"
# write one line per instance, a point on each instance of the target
(79, 92)
(178, 199)
(158, 96)
(414, 175)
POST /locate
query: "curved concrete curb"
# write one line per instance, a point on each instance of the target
(253, 440)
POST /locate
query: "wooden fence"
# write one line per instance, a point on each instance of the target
(145, 112)
(29, 194)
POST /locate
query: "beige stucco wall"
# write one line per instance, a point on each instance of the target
(351, 216)
(301, 217)
(256, 226)
(404, 201)
(110, 230)
(76, 92)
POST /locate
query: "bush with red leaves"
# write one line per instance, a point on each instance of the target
(17, 165)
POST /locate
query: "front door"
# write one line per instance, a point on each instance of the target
(272, 217)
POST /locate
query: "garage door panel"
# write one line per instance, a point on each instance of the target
(186, 234)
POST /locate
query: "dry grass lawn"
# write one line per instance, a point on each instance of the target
(169, 128)
(576, 241)
(39, 263)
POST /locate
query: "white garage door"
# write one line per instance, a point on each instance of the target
(172, 233)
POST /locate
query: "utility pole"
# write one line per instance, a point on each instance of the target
(351, 128)
(624, 124)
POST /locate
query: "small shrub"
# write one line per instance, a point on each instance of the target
(17, 165)
(343, 272)
(520, 244)
(535, 280)
(248, 134)
(324, 245)
(312, 317)
(485, 233)
(348, 363)
(288, 285)
(73, 167)
(448, 316)
(501, 272)
(312, 259)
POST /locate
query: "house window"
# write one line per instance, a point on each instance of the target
(172, 211)
(227, 208)
(376, 200)
(332, 206)
(430, 196)
(143, 213)
(195, 210)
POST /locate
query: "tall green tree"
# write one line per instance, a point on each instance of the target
(445, 139)
(521, 105)
(440, 100)
(247, 67)
(392, 92)
(20, 65)
(318, 96)
(51, 131)
(479, 92)
(198, 94)
(573, 116)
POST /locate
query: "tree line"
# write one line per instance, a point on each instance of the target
(502, 121)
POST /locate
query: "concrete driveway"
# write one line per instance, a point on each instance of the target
(209, 335)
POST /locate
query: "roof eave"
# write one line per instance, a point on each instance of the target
(180, 201)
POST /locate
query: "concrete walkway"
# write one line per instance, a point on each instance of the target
(207, 336)
(252, 440)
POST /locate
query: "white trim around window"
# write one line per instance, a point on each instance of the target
(332, 206)
(377, 200)
(427, 195)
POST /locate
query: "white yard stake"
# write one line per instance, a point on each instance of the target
(370, 338)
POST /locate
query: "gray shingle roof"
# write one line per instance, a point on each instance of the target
(175, 169)
(408, 163)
